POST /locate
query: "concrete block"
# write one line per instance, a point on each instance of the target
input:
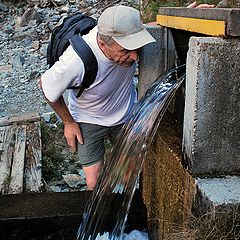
(155, 58)
(212, 111)
(229, 15)
(217, 196)
(221, 190)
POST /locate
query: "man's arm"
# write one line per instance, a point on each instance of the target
(72, 131)
(204, 5)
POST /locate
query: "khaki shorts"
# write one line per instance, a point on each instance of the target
(93, 148)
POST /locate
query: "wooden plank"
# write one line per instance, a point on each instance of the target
(2, 135)
(33, 160)
(17, 171)
(26, 118)
(6, 158)
(204, 26)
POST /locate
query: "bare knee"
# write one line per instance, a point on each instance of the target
(91, 184)
(92, 173)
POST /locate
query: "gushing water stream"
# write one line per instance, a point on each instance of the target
(117, 183)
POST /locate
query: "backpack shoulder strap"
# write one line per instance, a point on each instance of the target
(89, 61)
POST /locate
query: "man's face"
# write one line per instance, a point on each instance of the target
(118, 54)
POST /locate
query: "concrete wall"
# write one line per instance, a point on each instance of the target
(155, 58)
(212, 112)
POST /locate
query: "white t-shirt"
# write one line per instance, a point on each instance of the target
(108, 101)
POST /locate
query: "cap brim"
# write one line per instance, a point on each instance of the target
(136, 40)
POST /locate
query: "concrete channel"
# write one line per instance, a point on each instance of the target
(194, 169)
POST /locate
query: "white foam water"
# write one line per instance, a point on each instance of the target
(134, 235)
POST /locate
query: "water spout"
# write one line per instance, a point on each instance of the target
(118, 181)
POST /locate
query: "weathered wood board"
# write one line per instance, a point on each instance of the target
(20, 155)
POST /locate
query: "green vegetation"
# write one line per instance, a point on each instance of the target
(149, 8)
(6, 183)
(16, 3)
(57, 157)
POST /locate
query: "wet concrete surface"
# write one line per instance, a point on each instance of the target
(50, 216)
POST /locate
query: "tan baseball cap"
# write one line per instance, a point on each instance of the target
(124, 25)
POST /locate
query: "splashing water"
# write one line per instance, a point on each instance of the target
(117, 183)
(134, 235)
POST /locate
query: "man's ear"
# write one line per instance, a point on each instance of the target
(101, 43)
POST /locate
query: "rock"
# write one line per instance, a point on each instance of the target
(35, 45)
(93, 11)
(73, 180)
(65, 9)
(9, 29)
(47, 116)
(29, 14)
(3, 7)
(25, 30)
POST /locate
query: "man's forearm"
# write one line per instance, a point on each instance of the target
(62, 111)
(72, 131)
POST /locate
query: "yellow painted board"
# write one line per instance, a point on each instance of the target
(204, 26)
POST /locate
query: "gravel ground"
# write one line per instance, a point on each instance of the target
(24, 35)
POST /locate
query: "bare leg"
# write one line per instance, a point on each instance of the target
(92, 173)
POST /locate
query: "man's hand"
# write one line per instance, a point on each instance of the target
(73, 134)
(194, 5)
